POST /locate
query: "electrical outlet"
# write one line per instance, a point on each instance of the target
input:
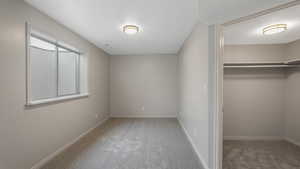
(97, 116)
(143, 108)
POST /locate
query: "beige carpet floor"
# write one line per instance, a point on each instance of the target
(261, 155)
(130, 144)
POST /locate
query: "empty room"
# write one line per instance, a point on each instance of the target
(140, 84)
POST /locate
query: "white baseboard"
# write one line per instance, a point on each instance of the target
(201, 159)
(140, 115)
(297, 143)
(265, 138)
(252, 138)
(63, 148)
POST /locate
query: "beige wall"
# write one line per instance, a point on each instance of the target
(25, 132)
(293, 50)
(292, 106)
(143, 86)
(268, 98)
(254, 53)
(193, 81)
(253, 103)
(254, 98)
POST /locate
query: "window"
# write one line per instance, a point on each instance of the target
(55, 71)
(68, 74)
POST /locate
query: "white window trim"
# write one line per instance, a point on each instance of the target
(57, 99)
(29, 101)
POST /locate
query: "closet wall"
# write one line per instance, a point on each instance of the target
(261, 103)
(292, 91)
(254, 53)
(293, 50)
(253, 97)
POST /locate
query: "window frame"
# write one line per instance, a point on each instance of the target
(77, 94)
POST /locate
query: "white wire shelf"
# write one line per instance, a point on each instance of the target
(287, 64)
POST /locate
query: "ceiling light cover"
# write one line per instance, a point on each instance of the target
(274, 29)
(130, 29)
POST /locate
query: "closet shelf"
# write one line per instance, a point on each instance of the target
(264, 65)
(292, 62)
(261, 66)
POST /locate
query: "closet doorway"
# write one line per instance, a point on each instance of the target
(261, 94)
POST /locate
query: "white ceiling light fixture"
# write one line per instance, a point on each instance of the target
(131, 29)
(274, 29)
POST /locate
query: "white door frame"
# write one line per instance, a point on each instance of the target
(217, 98)
(215, 95)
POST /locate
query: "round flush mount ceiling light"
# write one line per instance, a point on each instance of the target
(274, 29)
(130, 29)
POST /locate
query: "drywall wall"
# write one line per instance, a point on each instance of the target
(292, 106)
(292, 96)
(265, 101)
(193, 81)
(30, 134)
(143, 86)
(254, 53)
(293, 50)
(254, 98)
(253, 103)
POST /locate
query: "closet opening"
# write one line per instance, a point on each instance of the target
(261, 95)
